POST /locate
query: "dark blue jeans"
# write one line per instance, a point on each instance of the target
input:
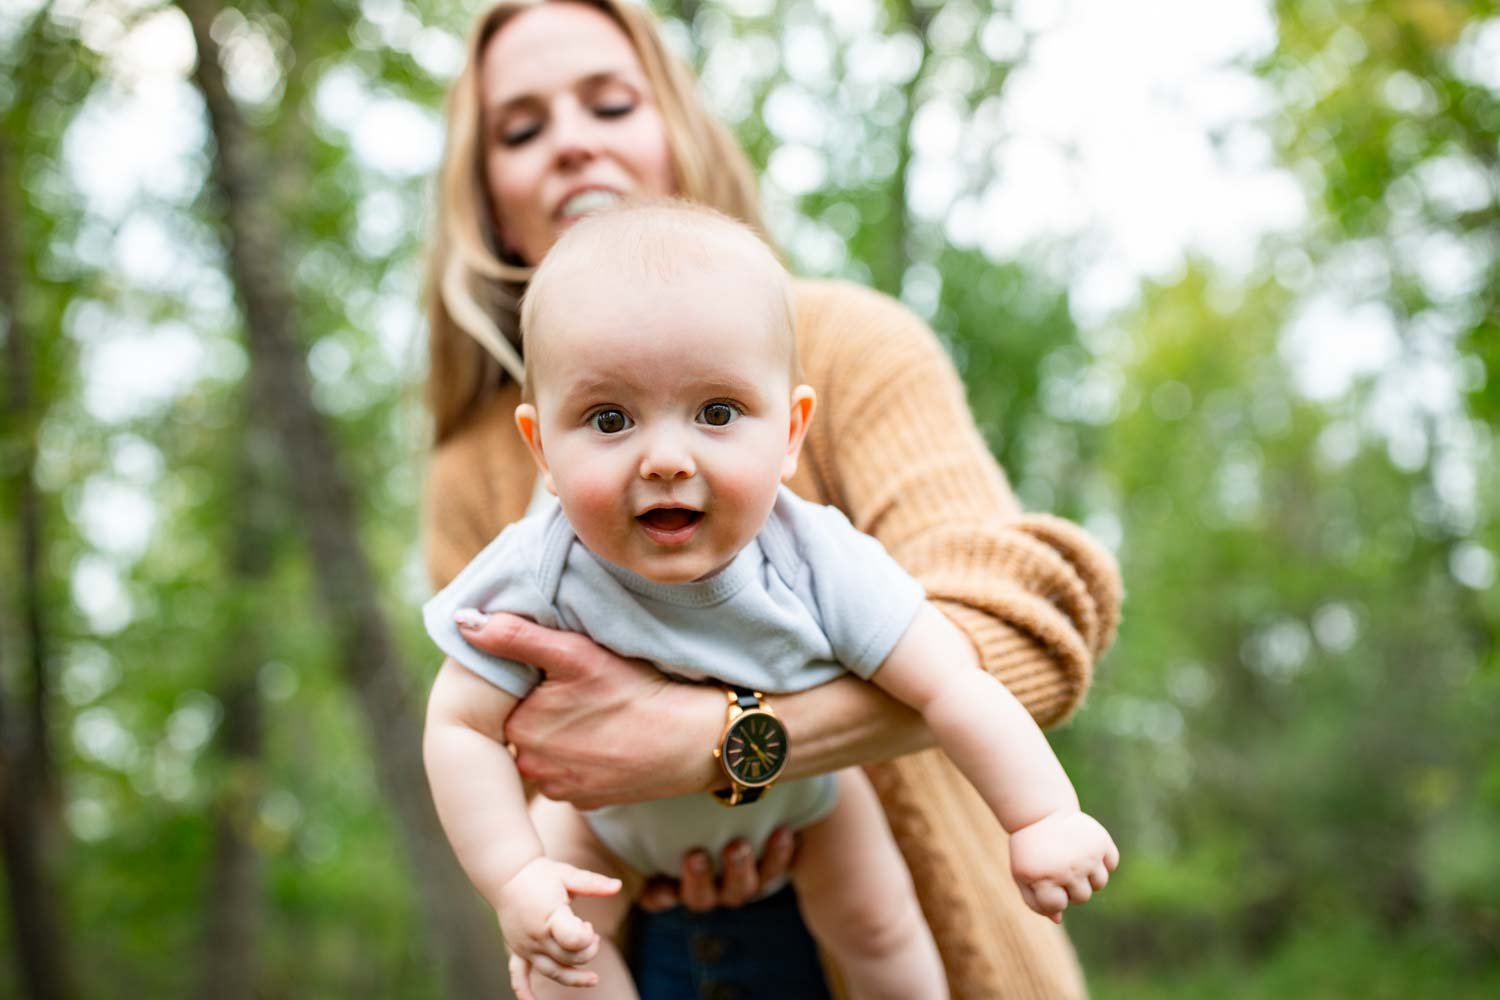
(759, 950)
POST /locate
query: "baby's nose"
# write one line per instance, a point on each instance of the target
(667, 457)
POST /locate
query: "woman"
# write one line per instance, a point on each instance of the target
(567, 106)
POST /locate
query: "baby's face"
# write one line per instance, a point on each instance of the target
(666, 419)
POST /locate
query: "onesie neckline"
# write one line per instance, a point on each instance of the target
(697, 593)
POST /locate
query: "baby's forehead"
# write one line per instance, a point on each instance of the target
(698, 315)
(691, 325)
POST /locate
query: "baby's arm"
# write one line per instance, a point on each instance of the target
(1058, 853)
(482, 808)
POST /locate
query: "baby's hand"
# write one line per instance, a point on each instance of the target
(1060, 859)
(542, 931)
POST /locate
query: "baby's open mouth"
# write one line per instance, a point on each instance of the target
(670, 518)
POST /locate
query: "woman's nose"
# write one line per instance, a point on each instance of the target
(575, 136)
(667, 457)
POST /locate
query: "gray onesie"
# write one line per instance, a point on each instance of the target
(807, 600)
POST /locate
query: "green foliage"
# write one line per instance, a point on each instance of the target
(1326, 963)
(1293, 738)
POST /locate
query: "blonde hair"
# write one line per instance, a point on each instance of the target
(653, 245)
(473, 293)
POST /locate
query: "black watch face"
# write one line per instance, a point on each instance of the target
(755, 749)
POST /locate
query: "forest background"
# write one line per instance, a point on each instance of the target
(1222, 280)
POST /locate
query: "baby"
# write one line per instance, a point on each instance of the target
(664, 410)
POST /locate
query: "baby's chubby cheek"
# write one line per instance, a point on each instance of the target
(745, 499)
(597, 510)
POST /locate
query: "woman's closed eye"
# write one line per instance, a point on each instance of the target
(520, 133)
(720, 413)
(613, 109)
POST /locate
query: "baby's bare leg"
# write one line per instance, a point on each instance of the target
(857, 897)
(566, 837)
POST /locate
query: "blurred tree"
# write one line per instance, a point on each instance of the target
(1293, 739)
(232, 961)
(1299, 710)
(1394, 118)
(459, 931)
(29, 797)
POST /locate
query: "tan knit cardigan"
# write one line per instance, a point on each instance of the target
(894, 446)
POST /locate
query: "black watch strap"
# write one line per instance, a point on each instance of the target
(745, 795)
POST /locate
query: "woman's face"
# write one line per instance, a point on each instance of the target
(569, 124)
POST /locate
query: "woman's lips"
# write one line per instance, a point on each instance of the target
(670, 525)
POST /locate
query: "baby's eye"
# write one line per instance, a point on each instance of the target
(718, 414)
(609, 421)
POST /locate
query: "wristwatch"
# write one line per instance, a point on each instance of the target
(753, 748)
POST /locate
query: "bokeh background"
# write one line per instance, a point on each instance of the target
(1221, 277)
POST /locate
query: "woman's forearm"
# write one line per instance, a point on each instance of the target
(845, 723)
(602, 730)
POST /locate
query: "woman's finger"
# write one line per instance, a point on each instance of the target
(776, 858)
(741, 879)
(515, 638)
(698, 892)
(659, 895)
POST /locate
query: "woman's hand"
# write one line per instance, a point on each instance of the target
(742, 881)
(600, 729)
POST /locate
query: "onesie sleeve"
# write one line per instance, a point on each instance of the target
(503, 577)
(865, 600)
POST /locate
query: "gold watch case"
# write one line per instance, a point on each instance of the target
(752, 748)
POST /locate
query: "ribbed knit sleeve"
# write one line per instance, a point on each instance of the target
(895, 447)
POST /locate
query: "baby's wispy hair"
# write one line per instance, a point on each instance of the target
(657, 243)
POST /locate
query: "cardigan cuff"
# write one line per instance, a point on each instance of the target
(1093, 564)
(1047, 668)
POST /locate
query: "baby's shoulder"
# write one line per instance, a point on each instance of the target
(532, 549)
(802, 534)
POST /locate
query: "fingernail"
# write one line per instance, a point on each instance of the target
(740, 853)
(470, 618)
(698, 863)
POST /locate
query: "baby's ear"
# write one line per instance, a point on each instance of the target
(530, 427)
(804, 402)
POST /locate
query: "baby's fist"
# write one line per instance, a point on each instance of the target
(1060, 859)
(540, 928)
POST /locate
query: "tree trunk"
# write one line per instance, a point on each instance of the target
(463, 933)
(232, 929)
(888, 267)
(28, 797)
